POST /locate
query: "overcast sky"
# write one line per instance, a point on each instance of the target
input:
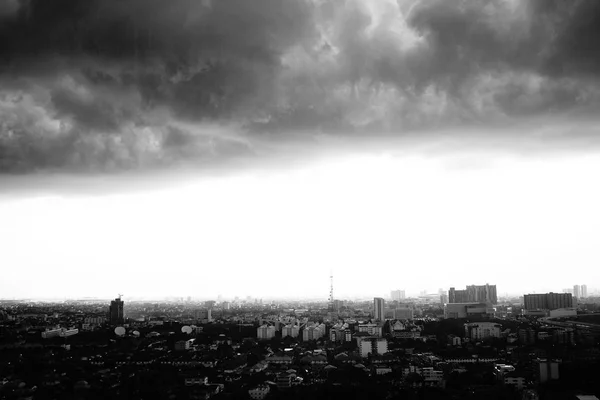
(234, 147)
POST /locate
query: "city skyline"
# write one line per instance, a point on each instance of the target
(403, 143)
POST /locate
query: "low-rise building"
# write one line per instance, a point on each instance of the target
(482, 330)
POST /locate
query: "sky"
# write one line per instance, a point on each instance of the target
(205, 148)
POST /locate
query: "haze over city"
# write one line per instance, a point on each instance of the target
(221, 148)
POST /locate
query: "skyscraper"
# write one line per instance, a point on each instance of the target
(584, 291)
(379, 309)
(577, 291)
(115, 312)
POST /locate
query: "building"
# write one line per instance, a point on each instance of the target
(577, 291)
(51, 333)
(265, 332)
(182, 345)
(547, 301)
(259, 392)
(563, 312)
(379, 309)
(474, 294)
(526, 335)
(115, 311)
(482, 330)
(203, 315)
(454, 340)
(467, 310)
(584, 291)
(547, 370)
(398, 295)
(290, 330)
(313, 332)
(284, 381)
(371, 329)
(96, 320)
(372, 345)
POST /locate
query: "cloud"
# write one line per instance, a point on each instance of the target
(107, 84)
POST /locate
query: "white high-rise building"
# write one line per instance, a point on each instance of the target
(373, 346)
(398, 295)
(584, 291)
(577, 291)
(379, 309)
(265, 332)
(290, 330)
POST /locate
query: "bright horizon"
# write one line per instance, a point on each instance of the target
(378, 221)
(235, 148)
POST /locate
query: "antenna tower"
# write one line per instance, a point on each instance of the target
(331, 290)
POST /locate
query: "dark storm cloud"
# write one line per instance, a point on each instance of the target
(114, 84)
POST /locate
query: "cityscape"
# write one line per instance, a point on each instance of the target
(299, 199)
(456, 343)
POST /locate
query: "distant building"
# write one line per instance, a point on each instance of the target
(372, 345)
(379, 309)
(398, 295)
(547, 301)
(203, 315)
(547, 370)
(584, 291)
(115, 312)
(183, 345)
(313, 332)
(290, 330)
(563, 312)
(577, 291)
(371, 329)
(474, 294)
(482, 330)
(466, 310)
(526, 335)
(265, 332)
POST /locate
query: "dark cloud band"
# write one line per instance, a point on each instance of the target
(107, 84)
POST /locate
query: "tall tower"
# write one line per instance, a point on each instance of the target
(331, 305)
(115, 312)
(378, 309)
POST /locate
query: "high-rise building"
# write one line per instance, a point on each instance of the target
(474, 294)
(379, 309)
(115, 312)
(398, 295)
(577, 291)
(584, 291)
(547, 301)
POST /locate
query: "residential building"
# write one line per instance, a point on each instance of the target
(526, 335)
(547, 370)
(290, 330)
(474, 294)
(371, 329)
(398, 295)
(547, 301)
(466, 310)
(265, 332)
(577, 291)
(259, 392)
(372, 345)
(313, 332)
(115, 312)
(482, 330)
(379, 309)
(584, 291)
